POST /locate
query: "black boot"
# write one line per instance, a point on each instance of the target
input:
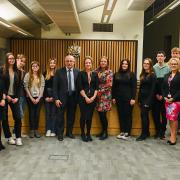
(1, 146)
(83, 137)
(103, 136)
(89, 138)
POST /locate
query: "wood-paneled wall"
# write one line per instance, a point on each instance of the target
(42, 50)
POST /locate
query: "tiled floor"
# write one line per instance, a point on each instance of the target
(113, 159)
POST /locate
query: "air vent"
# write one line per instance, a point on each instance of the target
(98, 27)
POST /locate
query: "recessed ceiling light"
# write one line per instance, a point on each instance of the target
(161, 15)
(109, 6)
(22, 32)
(149, 23)
(174, 5)
(105, 18)
(5, 24)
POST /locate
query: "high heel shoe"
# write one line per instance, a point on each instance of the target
(172, 143)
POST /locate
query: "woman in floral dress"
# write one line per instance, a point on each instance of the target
(104, 99)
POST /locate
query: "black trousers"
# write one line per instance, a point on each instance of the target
(125, 115)
(50, 109)
(17, 120)
(103, 120)
(70, 108)
(145, 120)
(86, 116)
(158, 111)
(34, 113)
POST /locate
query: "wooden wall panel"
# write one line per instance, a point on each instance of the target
(42, 50)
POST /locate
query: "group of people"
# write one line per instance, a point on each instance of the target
(62, 89)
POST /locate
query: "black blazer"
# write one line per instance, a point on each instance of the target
(60, 84)
(124, 86)
(147, 89)
(83, 84)
(2, 90)
(174, 88)
(16, 85)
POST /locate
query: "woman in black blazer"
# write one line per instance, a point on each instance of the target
(171, 94)
(12, 83)
(145, 96)
(2, 106)
(88, 86)
(124, 93)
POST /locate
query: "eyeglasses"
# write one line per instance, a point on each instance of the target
(11, 58)
(174, 64)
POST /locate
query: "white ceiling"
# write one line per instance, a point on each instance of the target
(64, 13)
(139, 4)
(85, 5)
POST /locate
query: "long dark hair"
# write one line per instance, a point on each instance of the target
(6, 65)
(151, 70)
(129, 66)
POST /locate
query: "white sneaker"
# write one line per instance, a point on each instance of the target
(13, 136)
(11, 141)
(125, 137)
(19, 142)
(120, 136)
(48, 133)
(53, 134)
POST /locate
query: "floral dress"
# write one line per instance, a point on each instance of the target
(104, 96)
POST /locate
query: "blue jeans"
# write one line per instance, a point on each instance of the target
(22, 105)
(50, 109)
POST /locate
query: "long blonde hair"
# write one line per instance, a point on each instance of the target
(31, 77)
(48, 69)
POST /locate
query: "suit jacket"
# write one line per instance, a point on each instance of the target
(84, 85)
(174, 88)
(60, 84)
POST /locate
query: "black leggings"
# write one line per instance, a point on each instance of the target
(86, 116)
(17, 120)
(103, 120)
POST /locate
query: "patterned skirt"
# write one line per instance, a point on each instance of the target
(172, 110)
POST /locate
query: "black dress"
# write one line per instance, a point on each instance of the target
(86, 109)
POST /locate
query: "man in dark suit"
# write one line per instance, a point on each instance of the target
(65, 94)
